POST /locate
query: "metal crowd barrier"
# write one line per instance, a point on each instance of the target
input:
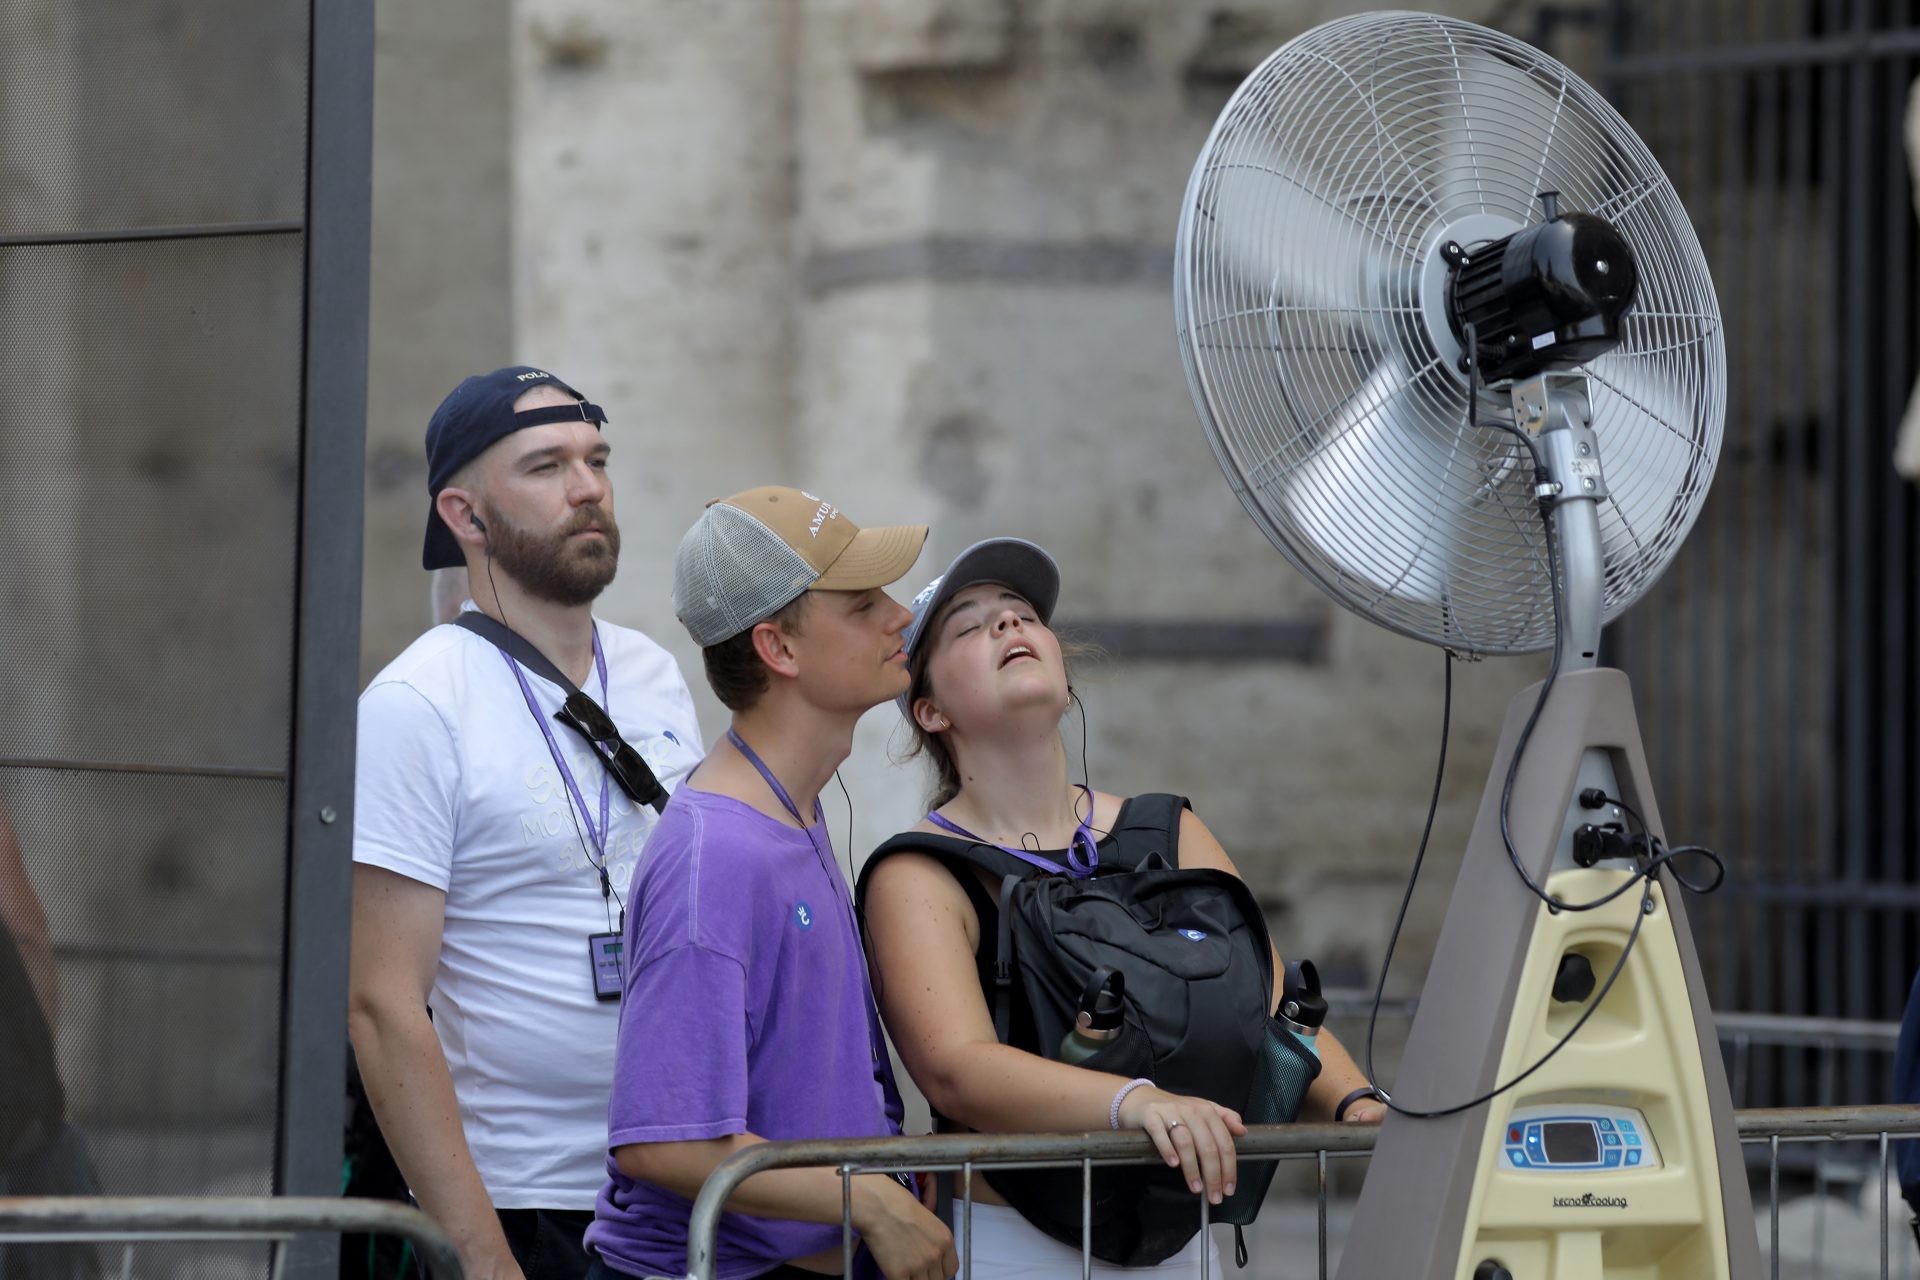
(275, 1219)
(962, 1155)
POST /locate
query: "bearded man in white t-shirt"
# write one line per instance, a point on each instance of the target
(497, 822)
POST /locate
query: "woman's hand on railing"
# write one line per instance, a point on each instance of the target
(903, 1235)
(1193, 1134)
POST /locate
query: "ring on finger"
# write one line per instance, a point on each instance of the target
(1174, 1124)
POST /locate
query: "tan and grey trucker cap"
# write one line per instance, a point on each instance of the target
(749, 555)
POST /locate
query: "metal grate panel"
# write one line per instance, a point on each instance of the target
(152, 114)
(148, 483)
(163, 896)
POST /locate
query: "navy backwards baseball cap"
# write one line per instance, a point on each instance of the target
(474, 415)
(1011, 562)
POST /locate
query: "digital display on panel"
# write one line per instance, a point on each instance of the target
(1571, 1142)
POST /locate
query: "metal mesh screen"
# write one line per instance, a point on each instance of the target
(152, 347)
(152, 115)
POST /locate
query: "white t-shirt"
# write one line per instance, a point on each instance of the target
(455, 787)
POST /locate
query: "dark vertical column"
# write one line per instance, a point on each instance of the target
(1732, 757)
(1826, 863)
(1896, 723)
(1760, 798)
(1796, 423)
(327, 625)
(1858, 642)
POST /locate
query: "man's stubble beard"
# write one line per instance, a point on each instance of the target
(552, 568)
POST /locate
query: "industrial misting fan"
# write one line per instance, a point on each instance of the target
(1453, 341)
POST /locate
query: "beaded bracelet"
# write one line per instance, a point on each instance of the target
(1113, 1112)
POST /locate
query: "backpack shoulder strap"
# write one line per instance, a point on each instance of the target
(950, 850)
(1149, 824)
(956, 855)
(514, 646)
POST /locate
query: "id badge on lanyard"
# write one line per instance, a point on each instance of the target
(606, 952)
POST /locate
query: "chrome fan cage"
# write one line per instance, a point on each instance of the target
(1309, 295)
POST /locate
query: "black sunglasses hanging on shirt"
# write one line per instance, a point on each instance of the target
(579, 713)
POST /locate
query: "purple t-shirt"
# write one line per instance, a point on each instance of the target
(745, 1011)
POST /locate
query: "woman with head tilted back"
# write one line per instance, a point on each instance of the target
(988, 693)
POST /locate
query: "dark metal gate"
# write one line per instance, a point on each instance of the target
(183, 249)
(1775, 665)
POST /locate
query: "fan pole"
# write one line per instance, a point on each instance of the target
(1556, 408)
(1617, 1157)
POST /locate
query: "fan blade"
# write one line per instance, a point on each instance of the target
(1654, 469)
(1499, 135)
(1290, 245)
(1377, 466)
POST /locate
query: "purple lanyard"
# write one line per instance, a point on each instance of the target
(1080, 866)
(598, 836)
(819, 814)
(883, 1066)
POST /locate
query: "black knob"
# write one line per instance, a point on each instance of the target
(1492, 1270)
(1575, 981)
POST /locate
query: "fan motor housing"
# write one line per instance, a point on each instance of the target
(1548, 297)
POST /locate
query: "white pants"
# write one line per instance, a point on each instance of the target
(1006, 1246)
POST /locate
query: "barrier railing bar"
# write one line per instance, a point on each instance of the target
(1885, 1144)
(1771, 1030)
(959, 1153)
(1773, 1199)
(846, 1220)
(1086, 1222)
(966, 1220)
(227, 1217)
(1320, 1159)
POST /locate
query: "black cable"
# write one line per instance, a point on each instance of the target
(1419, 857)
(1086, 767)
(1633, 935)
(848, 797)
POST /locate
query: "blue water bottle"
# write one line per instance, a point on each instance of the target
(1303, 1010)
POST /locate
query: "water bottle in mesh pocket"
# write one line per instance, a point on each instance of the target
(1287, 1067)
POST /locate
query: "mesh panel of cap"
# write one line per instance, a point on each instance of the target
(731, 572)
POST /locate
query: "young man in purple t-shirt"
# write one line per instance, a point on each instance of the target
(746, 1014)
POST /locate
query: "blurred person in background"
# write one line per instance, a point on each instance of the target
(41, 1153)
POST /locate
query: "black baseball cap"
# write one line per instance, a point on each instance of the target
(474, 415)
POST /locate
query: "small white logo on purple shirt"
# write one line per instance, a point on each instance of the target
(803, 915)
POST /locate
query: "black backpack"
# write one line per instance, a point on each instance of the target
(1193, 947)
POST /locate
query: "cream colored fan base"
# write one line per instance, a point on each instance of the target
(1445, 1198)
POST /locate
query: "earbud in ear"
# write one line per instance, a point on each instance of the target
(474, 520)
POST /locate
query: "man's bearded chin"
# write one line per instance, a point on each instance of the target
(554, 567)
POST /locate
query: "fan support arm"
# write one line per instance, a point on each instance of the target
(1556, 409)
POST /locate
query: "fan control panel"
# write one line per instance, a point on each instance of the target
(1581, 1137)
